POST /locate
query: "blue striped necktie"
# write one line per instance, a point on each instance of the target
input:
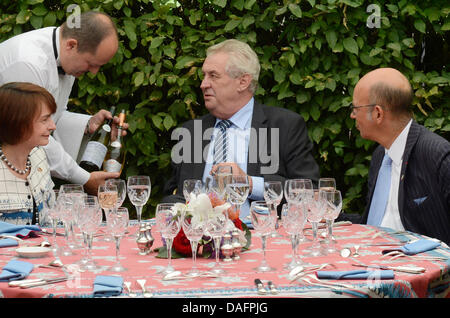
(381, 193)
(221, 143)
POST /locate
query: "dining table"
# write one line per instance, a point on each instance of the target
(238, 280)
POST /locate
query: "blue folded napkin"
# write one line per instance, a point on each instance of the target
(8, 242)
(356, 274)
(15, 270)
(21, 231)
(105, 286)
(419, 246)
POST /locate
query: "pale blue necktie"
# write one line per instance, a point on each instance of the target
(381, 193)
(221, 144)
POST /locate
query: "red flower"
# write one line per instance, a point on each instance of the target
(181, 244)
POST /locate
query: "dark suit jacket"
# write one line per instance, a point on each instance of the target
(295, 149)
(424, 189)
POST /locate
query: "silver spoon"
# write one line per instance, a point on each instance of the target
(141, 283)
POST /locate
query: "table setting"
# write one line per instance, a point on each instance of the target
(200, 248)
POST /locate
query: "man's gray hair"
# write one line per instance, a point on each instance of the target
(242, 60)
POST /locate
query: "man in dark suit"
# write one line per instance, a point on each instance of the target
(265, 143)
(408, 186)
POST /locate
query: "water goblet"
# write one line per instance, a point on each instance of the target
(139, 188)
(332, 201)
(89, 204)
(191, 186)
(117, 221)
(222, 177)
(273, 194)
(193, 228)
(74, 193)
(293, 189)
(168, 224)
(293, 221)
(263, 221)
(237, 191)
(93, 220)
(51, 207)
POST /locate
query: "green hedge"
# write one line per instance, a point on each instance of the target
(312, 54)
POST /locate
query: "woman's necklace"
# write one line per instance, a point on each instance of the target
(9, 164)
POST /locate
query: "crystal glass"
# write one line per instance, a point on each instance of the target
(237, 191)
(51, 210)
(67, 205)
(327, 184)
(92, 220)
(121, 189)
(222, 177)
(263, 221)
(139, 188)
(293, 189)
(191, 186)
(273, 194)
(88, 206)
(314, 212)
(193, 229)
(117, 222)
(293, 220)
(73, 193)
(216, 227)
(168, 223)
(332, 202)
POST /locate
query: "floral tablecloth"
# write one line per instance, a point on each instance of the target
(238, 282)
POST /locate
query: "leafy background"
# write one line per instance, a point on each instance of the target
(312, 54)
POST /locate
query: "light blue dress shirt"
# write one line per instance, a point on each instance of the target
(238, 139)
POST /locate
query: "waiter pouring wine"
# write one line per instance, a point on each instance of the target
(52, 58)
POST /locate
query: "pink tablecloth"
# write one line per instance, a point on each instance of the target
(240, 276)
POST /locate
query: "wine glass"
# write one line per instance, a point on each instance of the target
(193, 229)
(215, 228)
(222, 177)
(263, 221)
(191, 186)
(293, 189)
(332, 207)
(273, 194)
(314, 212)
(47, 214)
(107, 198)
(327, 184)
(73, 193)
(88, 204)
(168, 224)
(121, 189)
(91, 222)
(293, 220)
(139, 188)
(67, 208)
(117, 221)
(237, 191)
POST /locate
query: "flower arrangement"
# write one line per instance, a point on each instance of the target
(202, 207)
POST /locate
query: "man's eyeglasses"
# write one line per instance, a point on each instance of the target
(353, 107)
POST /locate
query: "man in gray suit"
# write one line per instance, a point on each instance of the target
(265, 143)
(409, 175)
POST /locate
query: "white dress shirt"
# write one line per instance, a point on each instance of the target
(29, 57)
(391, 217)
(238, 136)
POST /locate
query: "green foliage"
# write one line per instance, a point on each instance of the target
(312, 54)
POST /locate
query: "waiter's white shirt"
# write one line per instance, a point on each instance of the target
(391, 217)
(29, 57)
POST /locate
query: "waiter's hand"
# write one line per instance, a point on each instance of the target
(98, 119)
(98, 178)
(235, 170)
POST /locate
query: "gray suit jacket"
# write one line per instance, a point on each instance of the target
(294, 150)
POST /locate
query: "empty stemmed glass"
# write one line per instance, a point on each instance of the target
(215, 228)
(51, 207)
(332, 202)
(191, 186)
(293, 220)
(117, 221)
(139, 188)
(89, 206)
(91, 221)
(273, 194)
(73, 195)
(327, 184)
(169, 224)
(263, 221)
(314, 213)
(193, 228)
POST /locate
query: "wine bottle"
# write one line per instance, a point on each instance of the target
(115, 156)
(97, 147)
